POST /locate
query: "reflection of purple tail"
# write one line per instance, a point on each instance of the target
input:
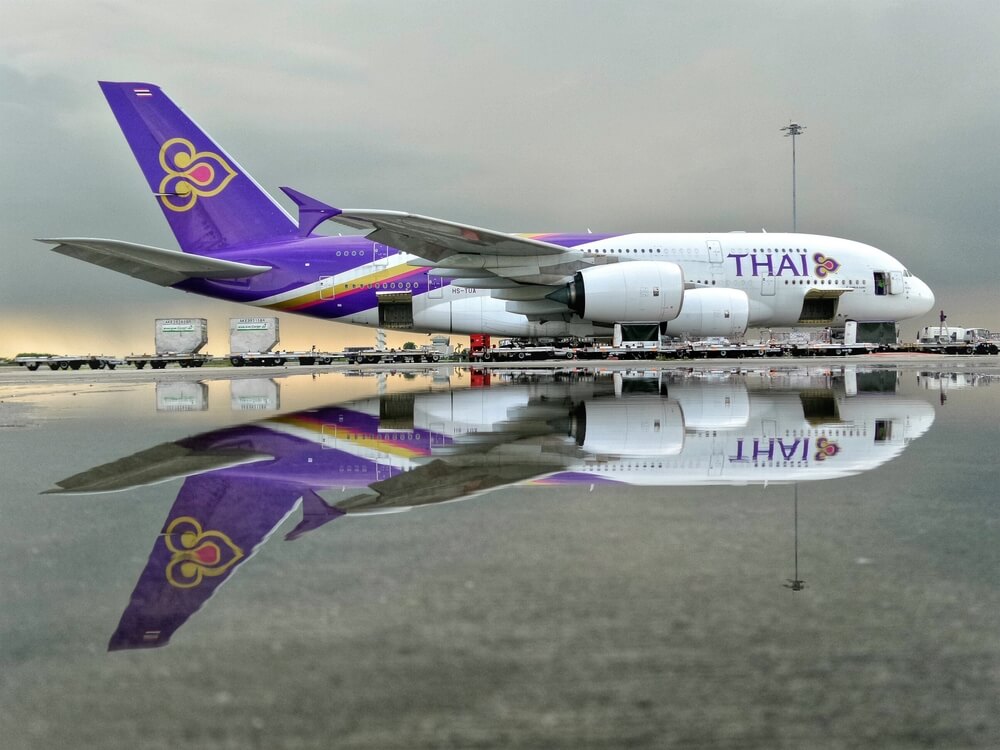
(210, 202)
(216, 523)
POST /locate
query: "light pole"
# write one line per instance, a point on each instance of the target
(793, 130)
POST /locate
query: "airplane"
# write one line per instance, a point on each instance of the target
(417, 273)
(400, 452)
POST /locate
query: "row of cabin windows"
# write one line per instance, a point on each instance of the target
(831, 282)
(605, 250)
(688, 250)
(387, 285)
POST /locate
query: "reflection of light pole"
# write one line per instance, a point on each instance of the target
(796, 584)
(793, 130)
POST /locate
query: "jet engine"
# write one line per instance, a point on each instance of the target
(711, 312)
(638, 291)
(649, 426)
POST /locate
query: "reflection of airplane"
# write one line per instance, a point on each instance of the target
(400, 451)
(423, 274)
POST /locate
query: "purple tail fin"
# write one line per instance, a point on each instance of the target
(210, 202)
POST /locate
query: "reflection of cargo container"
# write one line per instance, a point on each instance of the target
(181, 395)
(254, 394)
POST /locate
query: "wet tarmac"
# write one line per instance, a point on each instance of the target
(773, 555)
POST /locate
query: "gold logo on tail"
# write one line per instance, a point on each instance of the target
(200, 553)
(190, 174)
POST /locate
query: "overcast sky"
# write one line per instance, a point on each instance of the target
(521, 116)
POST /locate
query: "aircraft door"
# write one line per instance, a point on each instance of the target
(896, 282)
(715, 260)
(434, 287)
(380, 255)
(767, 286)
(714, 251)
(326, 287)
(439, 438)
(384, 469)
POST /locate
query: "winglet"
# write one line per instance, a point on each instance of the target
(312, 212)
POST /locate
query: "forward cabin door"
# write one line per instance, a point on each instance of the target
(715, 261)
(896, 282)
(380, 255)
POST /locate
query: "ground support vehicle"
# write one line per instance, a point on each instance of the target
(162, 359)
(953, 347)
(70, 362)
(390, 356)
(276, 359)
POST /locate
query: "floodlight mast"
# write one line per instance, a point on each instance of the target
(793, 130)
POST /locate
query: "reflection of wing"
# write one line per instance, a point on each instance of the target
(159, 464)
(214, 526)
(461, 476)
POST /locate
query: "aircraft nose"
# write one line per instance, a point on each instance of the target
(921, 297)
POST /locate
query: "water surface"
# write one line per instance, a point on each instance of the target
(792, 557)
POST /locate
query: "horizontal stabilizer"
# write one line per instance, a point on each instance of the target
(154, 264)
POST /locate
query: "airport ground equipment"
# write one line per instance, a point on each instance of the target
(252, 342)
(71, 362)
(941, 339)
(177, 340)
(365, 356)
(159, 361)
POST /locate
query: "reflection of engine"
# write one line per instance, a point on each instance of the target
(636, 426)
(712, 406)
(711, 312)
(640, 291)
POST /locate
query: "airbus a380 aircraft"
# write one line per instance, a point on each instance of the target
(423, 274)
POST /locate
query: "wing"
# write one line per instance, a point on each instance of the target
(154, 264)
(523, 270)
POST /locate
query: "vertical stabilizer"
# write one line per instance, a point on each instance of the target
(210, 202)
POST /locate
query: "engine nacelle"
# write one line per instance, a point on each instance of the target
(711, 312)
(644, 291)
(645, 426)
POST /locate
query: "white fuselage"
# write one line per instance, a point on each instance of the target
(778, 273)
